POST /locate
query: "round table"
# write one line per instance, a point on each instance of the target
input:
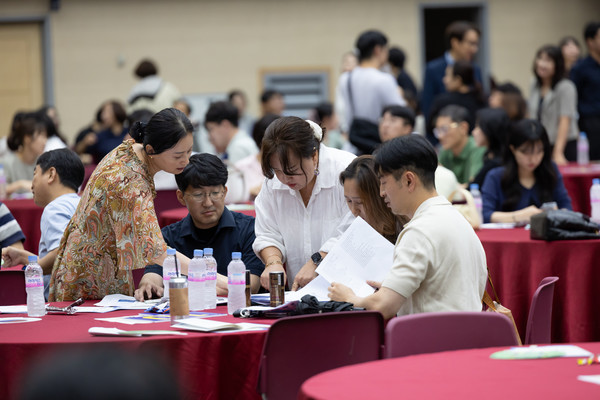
(210, 365)
(517, 264)
(578, 181)
(464, 374)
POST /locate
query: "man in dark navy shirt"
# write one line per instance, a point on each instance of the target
(586, 76)
(201, 188)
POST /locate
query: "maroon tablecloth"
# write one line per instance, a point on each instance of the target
(578, 181)
(517, 264)
(28, 215)
(464, 374)
(169, 217)
(211, 365)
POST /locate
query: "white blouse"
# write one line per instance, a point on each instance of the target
(297, 231)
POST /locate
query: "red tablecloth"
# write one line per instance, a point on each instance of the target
(465, 374)
(169, 217)
(578, 181)
(517, 264)
(28, 215)
(210, 365)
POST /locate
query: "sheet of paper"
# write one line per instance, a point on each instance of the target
(497, 225)
(590, 378)
(533, 352)
(122, 302)
(360, 254)
(207, 325)
(94, 309)
(17, 320)
(317, 287)
(13, 309)
(101, 331)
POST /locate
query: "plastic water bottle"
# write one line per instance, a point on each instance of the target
(595, 200)
(2, 183)
(474, 188)
(196, 279)
(34, 285)
(211, 279)
(236, 283)
(169, 270)
(583, 149)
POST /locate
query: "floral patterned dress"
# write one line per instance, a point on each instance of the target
(113, 231)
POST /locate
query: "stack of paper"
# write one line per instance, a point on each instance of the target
(207, 325)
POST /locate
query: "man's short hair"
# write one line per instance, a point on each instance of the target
(406, 113)
(408, 153)
(203, 170)
(268, 94)
(458, 29)
(67, 164)
(146, 68)
(591, 30)
(456, 113)
(220, 111)
(367, 41)
(396, 57)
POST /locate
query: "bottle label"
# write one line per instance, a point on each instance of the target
(237, 279)
(211, 275)
(196, 277)
(34, 282)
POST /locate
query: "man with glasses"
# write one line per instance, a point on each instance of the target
(459, 152)
(201, 188)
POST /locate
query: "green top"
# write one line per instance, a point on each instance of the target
(467, 164)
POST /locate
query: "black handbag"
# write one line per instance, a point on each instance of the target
(364, 134)
(563, 225)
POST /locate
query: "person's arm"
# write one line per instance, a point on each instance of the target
(491, 194)
(522, 215)
(306, 274)
(22, 185)
(273, 263)
(560, 194)
(384, 300)
(558, 154)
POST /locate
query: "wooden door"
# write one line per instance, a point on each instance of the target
(21, 86)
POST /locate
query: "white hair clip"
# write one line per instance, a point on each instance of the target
(317, 131)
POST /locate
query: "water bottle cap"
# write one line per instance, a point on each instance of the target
(32, 259)
(208, 251)
(474, 186)
(596, 181)
(198, 253)
(236, 255)
(583, 135)
(171, 252)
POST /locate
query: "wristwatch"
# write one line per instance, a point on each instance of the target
(316, 258)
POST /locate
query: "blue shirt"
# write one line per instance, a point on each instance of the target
(107, 141)
(234, 232)
(493, 196)
(10, 231)
(586, 76)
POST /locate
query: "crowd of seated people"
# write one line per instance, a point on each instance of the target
(305, 178)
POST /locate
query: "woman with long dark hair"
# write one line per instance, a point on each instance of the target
(527, 180)
(361, 191)
(490, 132)
(553, 102)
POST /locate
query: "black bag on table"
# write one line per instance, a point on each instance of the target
(563, 225)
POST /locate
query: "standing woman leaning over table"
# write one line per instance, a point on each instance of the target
(301, 203)
(115, 229)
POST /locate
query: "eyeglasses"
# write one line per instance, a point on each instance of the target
(442, 130)
(200, 197)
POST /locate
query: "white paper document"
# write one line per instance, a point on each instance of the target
(590, 378)
(101, 331)
(13, 309)
(122, 302)
(360, 254)
(208, 325)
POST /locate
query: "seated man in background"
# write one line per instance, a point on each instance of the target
(439, 263)
(460, 154)
(56, 180)
(399, 121)
(221, 122)
(209, 224)
(10, 230)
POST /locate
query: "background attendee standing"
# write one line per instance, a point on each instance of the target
(553, 102)
(366, 91)
(586, 76)
(396, 59)
(571, 51)
(152, 91)
(462, 43)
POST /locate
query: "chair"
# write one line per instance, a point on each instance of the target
(443, 331)
(12, 288)
(299, 347)
(539, 321)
